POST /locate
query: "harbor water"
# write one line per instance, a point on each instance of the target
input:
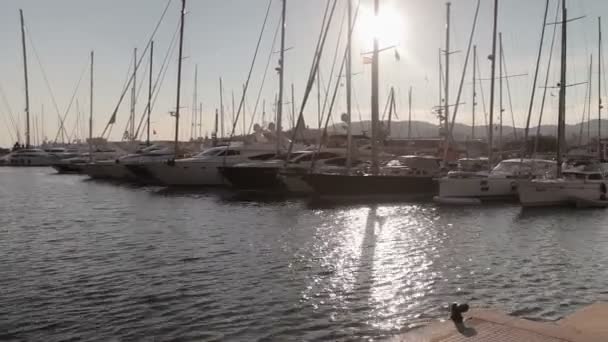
(94, 261)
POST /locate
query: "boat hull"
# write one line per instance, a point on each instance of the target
(187, 173)
(481, 188)
(109, 171)
(259, 179)
(544, 193)
(380, 187)
(68, 168)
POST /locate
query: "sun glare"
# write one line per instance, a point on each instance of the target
(387, 26)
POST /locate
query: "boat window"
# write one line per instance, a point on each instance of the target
(265, 156)
(210, 152)
(303, 158)
(337, 162)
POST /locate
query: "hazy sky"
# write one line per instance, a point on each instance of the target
(220, 36)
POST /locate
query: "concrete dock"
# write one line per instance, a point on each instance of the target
(589, 324)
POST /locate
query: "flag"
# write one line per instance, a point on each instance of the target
(367, 60)
(397, 56)
(154, 132)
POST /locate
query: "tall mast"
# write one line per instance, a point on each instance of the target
(91, 110)
(245, 107)
(492, 86)
(599, 89)
(589, 100)
(500, 77)
(374, 99)
(474, 93)
(221, 109)
(194, 111)
(200, 119)
(409, 113)
(233, 109)
(133, 97)
(319, 97)
(149, 94)
(293, 109)
(446, 108)
(349, 80)
(562, 92)
(279, 127)
(27, 89)
(439, 106)
(179, 77)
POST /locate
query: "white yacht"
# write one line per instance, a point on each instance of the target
(501, 183)
(202, 169)
(116, 169)
(29, 157)
(582, 185)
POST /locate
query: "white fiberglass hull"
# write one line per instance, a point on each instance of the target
(183, 173)
(539, 193)
(483, 188)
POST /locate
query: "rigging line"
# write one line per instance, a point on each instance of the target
(338, 81)
(67, 111)
(160, 78)
(46, 80)
(143, 55)
(538, 59)
(10, 110)
(464, 71)
(141, 84)
(255, 57)
(356, 101)
(548, 74)
(580, 136)
(483, 98)
(331, 72)
(311, 76)
(257, 101)
(504, 64)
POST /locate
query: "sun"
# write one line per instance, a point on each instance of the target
(387, 27)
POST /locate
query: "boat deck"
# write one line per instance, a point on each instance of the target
(586, 325)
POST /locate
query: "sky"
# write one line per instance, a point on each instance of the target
(220, 37)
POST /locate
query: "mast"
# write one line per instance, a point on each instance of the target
(492, 86)
(439, 106)
(179, 77)
(500, 77)
(562, 92)
(91, 111)
(319, 96)
(195, 104)
(281, 68)
(446, 107)
(293, 109)
(233, 109)
(474, 93)
(599, 89)
(149, 94)
(589, 100)
(409, 113)
(244, 111)
(349, 80)
(27, 89)
(374, 99)
(200, 120)
(133, 97)
(221, 109)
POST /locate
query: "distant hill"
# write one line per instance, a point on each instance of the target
(423, 129)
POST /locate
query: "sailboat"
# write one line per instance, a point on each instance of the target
(402, 177)
(501, 182)
(579, 183)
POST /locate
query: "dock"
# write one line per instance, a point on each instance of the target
(589, 324)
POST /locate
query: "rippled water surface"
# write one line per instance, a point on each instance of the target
(84, 260)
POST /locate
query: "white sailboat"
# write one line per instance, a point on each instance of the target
(582, 185)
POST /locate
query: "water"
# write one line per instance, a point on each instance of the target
(84, 260)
